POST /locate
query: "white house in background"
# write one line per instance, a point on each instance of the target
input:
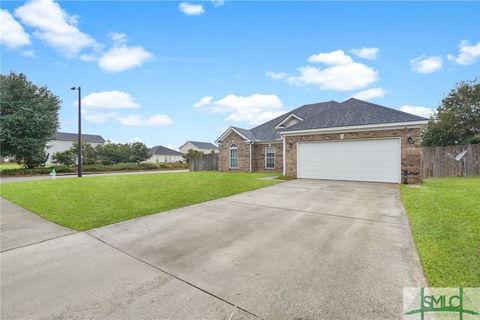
(162, 154)
(64, 141)
(205, 147)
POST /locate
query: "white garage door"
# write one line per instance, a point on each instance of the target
(375, 160)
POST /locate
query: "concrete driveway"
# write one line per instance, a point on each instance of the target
(301, 249)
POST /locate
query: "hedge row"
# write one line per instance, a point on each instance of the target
(97, 168)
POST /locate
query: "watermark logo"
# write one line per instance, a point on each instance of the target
(441, 303)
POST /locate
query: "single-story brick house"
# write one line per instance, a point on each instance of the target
(352, 140)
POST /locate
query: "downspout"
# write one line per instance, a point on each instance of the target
(250, 157)
(284, 155)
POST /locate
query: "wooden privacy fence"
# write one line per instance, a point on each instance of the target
(437, 161)
(204, 162)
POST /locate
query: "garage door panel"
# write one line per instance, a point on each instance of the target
(361, 160)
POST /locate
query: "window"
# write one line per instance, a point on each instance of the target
(270, 157)
(233, 156)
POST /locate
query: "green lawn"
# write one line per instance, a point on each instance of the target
(445, 218)
(9, 165)
(91, 202)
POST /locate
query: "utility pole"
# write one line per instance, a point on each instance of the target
(79, 149)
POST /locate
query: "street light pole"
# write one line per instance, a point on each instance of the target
(79, 147)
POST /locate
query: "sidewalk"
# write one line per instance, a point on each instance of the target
(19, 227)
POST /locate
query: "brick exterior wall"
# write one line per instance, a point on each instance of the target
(258, 157)
(243, 162)
(410, 153)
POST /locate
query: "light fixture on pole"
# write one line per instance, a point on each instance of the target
(79, 150)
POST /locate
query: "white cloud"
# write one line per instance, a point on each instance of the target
(218, 3)
(123, 58)
(140, 121)
(468, 54)
(370, 94)
(55, 26)
(418, 110)
(366, 53)
(253, 109)
(118, 37)
(276, 75)
(424, 64)
(135, 139)
(203, 102)
(109, 100)
(12, 34)
(341, 73)
(98, 106)
(342, 77)
(88, 57)
(28, 53)
(98, 117)
(191, 9)
(331, 58)
(128, 120)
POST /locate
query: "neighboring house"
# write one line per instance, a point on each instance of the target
(64, 141)
(352, 140)
(162, 154)
(205, 147)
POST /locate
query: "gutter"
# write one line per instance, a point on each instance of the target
(372, 127)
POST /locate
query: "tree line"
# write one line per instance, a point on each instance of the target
(107, 154)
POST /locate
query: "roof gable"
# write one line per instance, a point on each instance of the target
(161, 150)
(267, 130)
(284, 123)
(202, 145)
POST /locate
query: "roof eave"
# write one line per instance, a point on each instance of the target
(220, 139)
(367, 127)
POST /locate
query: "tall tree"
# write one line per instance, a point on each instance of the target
(457, 120)
(191, 154)
(139, 152)
(70, 157)
(28, 119)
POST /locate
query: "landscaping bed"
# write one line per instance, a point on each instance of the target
(87, 203)
(445, 218)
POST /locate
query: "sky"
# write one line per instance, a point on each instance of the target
(164, 72)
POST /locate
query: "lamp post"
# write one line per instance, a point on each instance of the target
(79, 150)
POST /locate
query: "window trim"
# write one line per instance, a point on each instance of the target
(233, 146)
(274, 155)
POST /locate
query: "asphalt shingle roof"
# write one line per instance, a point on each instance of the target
(354, 112)
(328, 115)
(203, 145)
(161, 150)
(247, 133)
(65, 136)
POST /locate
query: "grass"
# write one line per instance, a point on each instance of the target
(9, 166)
(91, 202)
(445, 218)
